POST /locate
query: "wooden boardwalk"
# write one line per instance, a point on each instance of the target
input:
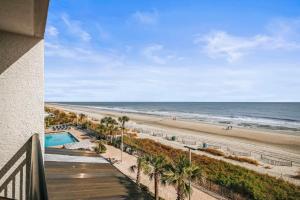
(69, 180)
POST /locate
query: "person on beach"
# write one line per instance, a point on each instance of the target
(228, 128)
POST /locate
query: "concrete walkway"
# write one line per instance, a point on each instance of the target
(75, 159)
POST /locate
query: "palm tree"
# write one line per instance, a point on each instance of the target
(179, 174)
(141, 164)
(156, 169)
(62, 117)
(88, 124)
(100, 147)
(122, 120)
(72, 117)
(110, 125)
(82, 117)
(102, 130)
(48, 121)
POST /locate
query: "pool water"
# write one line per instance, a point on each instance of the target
(59, 139)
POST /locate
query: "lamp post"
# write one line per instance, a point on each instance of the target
(190, 160)
(122, 145)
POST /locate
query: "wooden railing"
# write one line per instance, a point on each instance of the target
(23, 176)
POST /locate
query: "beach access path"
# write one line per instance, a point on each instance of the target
(167, 192)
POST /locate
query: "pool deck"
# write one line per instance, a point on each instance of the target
(79, 179)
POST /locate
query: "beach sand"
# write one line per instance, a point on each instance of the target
(284, 141)
(258, 142)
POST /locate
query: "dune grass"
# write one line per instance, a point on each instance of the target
(243, 159)
(250, 184)
(212, 151)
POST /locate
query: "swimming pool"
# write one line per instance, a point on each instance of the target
(59, 139)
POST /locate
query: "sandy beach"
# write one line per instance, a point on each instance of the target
(283, 141)
(258, 142)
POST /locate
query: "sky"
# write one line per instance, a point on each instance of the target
(172, 50)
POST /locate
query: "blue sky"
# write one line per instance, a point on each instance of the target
(134, 50)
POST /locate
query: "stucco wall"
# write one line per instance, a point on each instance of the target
(21, 91)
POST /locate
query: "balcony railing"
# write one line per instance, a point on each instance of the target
(23, 176)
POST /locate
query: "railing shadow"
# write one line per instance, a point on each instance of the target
(18, 170)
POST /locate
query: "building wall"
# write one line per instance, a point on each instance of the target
(21, 92)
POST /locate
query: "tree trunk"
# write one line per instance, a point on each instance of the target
(180, 195)
(138, 174)
(156, 180)
(111, 138)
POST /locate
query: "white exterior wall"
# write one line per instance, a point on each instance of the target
(21, 92)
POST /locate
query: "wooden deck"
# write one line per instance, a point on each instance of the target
(69, 180)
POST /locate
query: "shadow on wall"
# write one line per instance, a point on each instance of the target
(11, 174)
(12, 47)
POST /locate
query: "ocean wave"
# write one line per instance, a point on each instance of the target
(272, 123)
(266, 126)
(242, 119)
(276, 118)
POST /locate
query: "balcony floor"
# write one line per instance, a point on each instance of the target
(77, 180)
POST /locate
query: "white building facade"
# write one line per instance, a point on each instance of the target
(22, 26)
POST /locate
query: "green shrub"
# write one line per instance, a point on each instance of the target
(59, 117)
(100, 148)
(248, 183)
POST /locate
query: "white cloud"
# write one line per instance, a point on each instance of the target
(222, 44)
(157, 54)
(147, 18)
(232, 47)
(152, 53)
(52, 31)
(58, 50)
(287, 28)
(74, 26)
(184, 83)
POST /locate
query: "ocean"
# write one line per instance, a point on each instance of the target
(273, 116)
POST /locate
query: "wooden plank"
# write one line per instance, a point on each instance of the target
(70, 152)
(67, 180)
